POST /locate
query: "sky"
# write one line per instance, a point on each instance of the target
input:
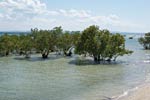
(114, 15)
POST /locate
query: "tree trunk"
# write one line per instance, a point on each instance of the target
(7, 53)
(67, 54)
(109, 60)
(95, 58)
(45, 54)
(27, 54)
(98, 57)
(115, 58)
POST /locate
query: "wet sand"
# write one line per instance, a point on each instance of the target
(143, 93)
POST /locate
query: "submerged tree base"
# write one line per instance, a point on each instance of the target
(68, 54)
(90, 61)
(44, 56)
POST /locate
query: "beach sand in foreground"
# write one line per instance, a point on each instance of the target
(143, 93)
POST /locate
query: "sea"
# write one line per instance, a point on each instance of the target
(14, 32)
(60, 78)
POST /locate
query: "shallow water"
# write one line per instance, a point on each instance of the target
(59, 79)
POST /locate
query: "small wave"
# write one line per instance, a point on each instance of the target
(146, 61)
(126, 93)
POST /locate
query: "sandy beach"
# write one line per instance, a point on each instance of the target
(143, 93)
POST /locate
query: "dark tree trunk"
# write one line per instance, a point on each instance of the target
(27, 54)
(21, 52)
(95, 58)
(108, 60)
(7, 53)
(45, 54)
(67, 54)
(115, 58)
(99, 58)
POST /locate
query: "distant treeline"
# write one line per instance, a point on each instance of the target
(99, 44)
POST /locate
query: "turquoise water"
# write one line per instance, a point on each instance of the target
(59, 79)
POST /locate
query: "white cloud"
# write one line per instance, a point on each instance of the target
(113, 20)
(26, 14)
(36, 7)
(75, 13)
(24, 6)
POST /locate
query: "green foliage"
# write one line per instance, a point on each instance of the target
(86, 42)
(6, 44)
(25, 43)
(11, 43)
(43, 41)
(145, 41)
(53, 40)
(67, 40)
(101, 44)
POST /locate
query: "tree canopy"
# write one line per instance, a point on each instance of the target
(43, 41)
(145, 41)
(101, 44)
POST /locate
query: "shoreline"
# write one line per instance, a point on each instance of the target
(138, 93)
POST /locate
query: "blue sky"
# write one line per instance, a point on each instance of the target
(115, 15)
